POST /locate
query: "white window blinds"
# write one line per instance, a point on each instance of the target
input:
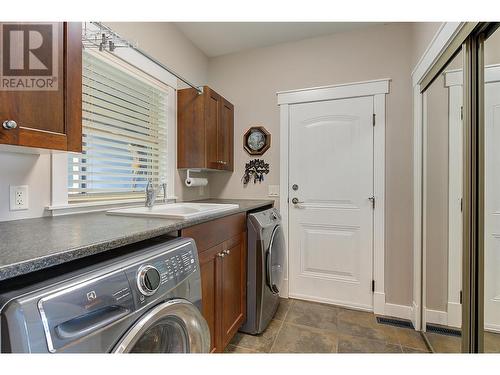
(124, 131)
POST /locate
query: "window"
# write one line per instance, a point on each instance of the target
(125, 118)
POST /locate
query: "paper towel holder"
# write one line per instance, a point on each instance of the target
(194, 182)
(192, 171)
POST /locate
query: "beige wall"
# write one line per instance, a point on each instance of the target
(165, 42)
(423, 33)
(251, 79)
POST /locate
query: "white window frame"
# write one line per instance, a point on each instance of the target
(59, 161)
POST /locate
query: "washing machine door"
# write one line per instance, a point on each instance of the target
(275, 258)
(175, 326)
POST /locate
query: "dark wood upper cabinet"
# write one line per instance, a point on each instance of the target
(205, 130)
(49, 119)
(226, 134)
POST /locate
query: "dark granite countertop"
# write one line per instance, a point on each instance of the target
(35, 244)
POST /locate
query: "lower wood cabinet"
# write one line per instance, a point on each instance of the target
(232, 306)
(222, 253)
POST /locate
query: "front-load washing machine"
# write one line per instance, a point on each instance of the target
(266, 257)
(148, 301)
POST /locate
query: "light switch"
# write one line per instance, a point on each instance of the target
(274, 190)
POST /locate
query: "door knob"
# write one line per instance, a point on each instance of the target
(296, 201)
(9, 124)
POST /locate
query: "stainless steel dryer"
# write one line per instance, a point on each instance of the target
(146, 302)
(266, 257)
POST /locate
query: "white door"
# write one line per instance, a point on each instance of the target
(492, 208)
(331, 229)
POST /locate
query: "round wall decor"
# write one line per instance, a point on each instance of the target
(257, 140)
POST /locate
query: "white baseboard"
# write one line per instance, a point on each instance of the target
(284, 289)
(415, 316)
(330, 302)
(380, 307)
(495, 328)
(398, 311)
(379, 303)
(436, 317)
(454, 314)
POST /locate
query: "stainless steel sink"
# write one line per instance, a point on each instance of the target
(175, 210)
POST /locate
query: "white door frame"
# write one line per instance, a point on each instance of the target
(378, 89)
(442, 39)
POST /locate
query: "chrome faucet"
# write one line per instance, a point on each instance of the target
(151, 193)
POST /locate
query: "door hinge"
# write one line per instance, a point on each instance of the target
(373, 119)
(460, 297)
(373, 286)
(372, 199)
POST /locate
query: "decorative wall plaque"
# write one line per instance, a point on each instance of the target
(257, 140)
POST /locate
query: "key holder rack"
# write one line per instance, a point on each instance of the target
(255, 169)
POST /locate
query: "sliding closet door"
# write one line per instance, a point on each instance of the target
(442, 224)
(491, 194)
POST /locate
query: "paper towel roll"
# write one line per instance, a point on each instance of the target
(191, 182)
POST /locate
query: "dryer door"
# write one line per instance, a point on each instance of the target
(275, 258)
(174, 326)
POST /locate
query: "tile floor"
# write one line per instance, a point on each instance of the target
(452, 344)
(308, 327)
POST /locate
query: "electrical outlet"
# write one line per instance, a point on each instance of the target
(19, 197)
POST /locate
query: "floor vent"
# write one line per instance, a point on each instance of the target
(395, 322)
(443, 330)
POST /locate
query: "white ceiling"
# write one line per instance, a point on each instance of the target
(221, 38)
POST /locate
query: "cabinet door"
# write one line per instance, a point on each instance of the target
(225, 135)
(50, 118)
(190, 129)
(212, 120)
(210, 264)
(233, 292)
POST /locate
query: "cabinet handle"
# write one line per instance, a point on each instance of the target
(9, 124)
(227, 252)
(221, 255)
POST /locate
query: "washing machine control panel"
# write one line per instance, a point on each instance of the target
(178, 265)
(165, 271)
